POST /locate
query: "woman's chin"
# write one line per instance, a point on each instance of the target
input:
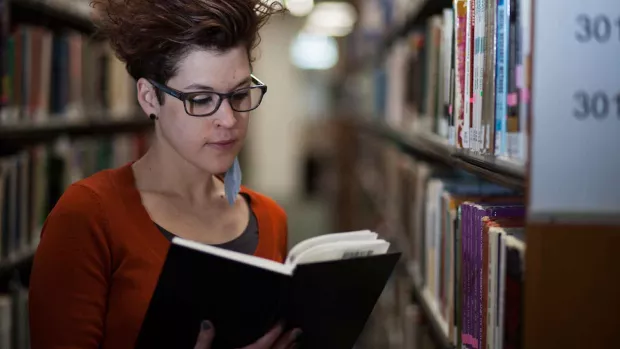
(219, 166)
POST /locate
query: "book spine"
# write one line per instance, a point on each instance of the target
(447, 57)
(492, 288)
(501, 76)
(460, 33)
(459, 290)
(488, 106)
(464, 276)
(469, 66)
(513, 95)
(513, 300)
(479, 53)
(480, 214)
(472, 277)
(467, 221)
(525, 77)
(485, 280)
(489, 302)
(452, 136)
(502, 292)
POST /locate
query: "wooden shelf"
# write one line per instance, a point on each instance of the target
(22, 133)
(434, 149)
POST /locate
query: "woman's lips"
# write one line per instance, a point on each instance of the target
(223, 145)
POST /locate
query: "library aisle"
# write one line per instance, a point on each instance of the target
(479, 137)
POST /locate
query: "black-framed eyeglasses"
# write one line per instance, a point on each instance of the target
(206, 103)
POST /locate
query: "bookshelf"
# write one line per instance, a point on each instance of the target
(67, 110)
(403, 149)
(394, 232)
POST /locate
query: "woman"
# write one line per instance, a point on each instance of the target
(104, 243)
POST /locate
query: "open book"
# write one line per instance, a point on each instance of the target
(327, 287)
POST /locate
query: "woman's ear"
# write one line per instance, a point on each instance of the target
(147, 97)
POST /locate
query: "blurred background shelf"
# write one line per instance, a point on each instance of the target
(391, 230)
(16, 268)
(23, 133)
(420, 11)
(56, 14)
(16, 261)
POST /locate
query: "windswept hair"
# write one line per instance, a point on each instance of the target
(152, 36)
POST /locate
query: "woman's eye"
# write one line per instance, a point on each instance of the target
(241, 95)
(203, 99)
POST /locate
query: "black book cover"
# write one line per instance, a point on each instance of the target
(329, 301)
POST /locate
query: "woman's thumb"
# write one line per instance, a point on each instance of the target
(205, 337)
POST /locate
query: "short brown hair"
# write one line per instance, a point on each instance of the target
(151, 36)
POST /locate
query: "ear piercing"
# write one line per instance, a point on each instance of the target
(153, 117)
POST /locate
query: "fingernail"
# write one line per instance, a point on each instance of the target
(206, 325)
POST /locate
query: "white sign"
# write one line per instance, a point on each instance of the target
(575, 157)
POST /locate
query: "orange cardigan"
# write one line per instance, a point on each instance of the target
(99, 259)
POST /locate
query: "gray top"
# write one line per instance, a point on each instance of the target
(246, 243)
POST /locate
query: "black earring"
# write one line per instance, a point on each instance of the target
(153, 117)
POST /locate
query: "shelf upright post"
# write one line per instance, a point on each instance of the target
(572, 285)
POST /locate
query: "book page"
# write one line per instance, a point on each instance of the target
(362, 235)
(235, 256)
(342, 250)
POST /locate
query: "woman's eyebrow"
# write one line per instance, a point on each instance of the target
(202, 87)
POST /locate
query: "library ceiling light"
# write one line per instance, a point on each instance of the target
(314, 52)
(333, 18)
(299, 8)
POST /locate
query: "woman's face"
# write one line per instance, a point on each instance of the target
(210, 143)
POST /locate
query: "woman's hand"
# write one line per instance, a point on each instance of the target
(274, 339)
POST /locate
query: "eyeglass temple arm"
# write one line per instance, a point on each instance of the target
(256, 80)
(167, 89)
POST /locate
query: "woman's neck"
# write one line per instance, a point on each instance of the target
(164, 171)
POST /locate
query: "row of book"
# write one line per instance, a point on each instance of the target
(14, 328)
(469, 232)
(32, 180)
(464, 75)
(463, 241)
(52, 74)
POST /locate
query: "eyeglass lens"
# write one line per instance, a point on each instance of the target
(205, 103)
